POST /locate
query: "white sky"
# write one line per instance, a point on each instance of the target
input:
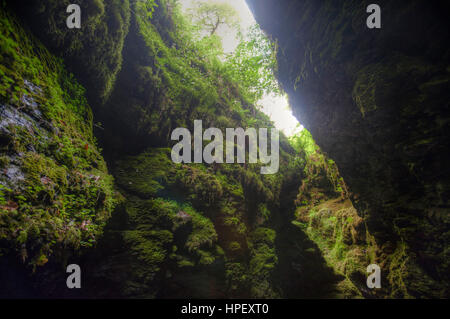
(276, 107)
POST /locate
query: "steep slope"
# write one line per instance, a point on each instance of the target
(376, 101)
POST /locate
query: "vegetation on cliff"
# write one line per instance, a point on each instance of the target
(174, 220)
(93, 55)
(214, 212)
(55, 190)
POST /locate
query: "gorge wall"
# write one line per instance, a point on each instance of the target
(376, 101)
(86, 175)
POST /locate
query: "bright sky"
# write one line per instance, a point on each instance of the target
(276, 107)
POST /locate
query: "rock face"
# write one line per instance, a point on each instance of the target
(94, 55)
(377, 102)
(55, 190)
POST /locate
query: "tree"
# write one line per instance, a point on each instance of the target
(252, 65)
(211, 16)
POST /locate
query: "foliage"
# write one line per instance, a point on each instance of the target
(252, 65)
(322, 179)
(182, 77)
(209, 17)
(148, 7)
(303, 141)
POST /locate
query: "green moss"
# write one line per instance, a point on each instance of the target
(402, 270)
(262, 263)
(4, 161)
(263, 235)
(163, 235)
(94, 55)
(221, 201)
(336, 229)
(185, 263)
(173, 216)
(201, 188)
(146, 174)
(206, 258)
(66, 194)
(234, 246)
(203, 232)
(237, 277)
(149, 247)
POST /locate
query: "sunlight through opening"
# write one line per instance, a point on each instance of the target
(275, 106)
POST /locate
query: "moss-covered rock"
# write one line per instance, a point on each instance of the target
(56, 193)
(263, 260)
(206, 216)
(376, 101)
(93, 53)
(342, 237)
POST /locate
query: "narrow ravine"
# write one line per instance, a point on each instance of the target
(90, 120)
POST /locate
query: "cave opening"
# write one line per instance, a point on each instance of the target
(273, 103)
